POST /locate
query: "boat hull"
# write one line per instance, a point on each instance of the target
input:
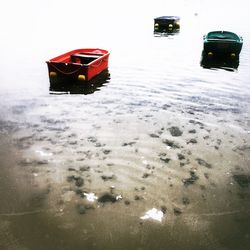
(77, 65)
(166, 24)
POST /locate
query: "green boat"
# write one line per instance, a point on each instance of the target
(222, 44)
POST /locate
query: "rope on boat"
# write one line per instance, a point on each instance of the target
(66, 73)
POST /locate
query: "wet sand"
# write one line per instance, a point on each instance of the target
(87, 182)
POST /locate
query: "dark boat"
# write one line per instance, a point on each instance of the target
(166, 24)
(79, 65)
(223, 44)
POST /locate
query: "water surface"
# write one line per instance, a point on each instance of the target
(155, 156)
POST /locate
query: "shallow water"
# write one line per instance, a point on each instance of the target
(81, 168)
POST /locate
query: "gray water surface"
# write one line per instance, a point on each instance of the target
(81, 168)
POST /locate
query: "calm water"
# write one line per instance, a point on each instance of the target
(156, 156)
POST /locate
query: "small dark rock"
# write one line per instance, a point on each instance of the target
(128, 144)
(107, 197)
(191, 180)
(79, 181)
(181, 157)
(70, 178)
(127, 202)
(164, 209)
(107, 178)
(193, 141)
(177, 211)
(71, 169)
(175, 131)
(154, 135)
(192, 131)
(242, 180)
(84, 168)
(171, 144)
(185, 201)
(166, 160)
(203, 163)
(106, 151)
(137, 197)
(145, 175)
(81, 209)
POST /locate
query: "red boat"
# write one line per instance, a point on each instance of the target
(78, 65)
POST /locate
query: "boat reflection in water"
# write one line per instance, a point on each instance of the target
(79, 87)
(219, 62)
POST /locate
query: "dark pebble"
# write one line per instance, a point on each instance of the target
(193, 141)
(203, 163)
(242, 180)
(192, 131)
(107, 197)
(171, 144)
(164, 209)
(177, 211)
(175, 131)
(185, 201)
(181, 157)
(191, 180)
(79, 181)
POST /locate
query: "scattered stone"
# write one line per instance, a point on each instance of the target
(192, 131)
(243, 148)
(71, 169)
(181, 157)
(177, 211)
(206, 175)
(107, 197)
(145, 175)
(166, 106)
(154, 135)
(80, 193)
(92, 139)
(70, 178)
(84, 168)
(81, 209)
(127, 202)
(164, 209)
(182, 164)
(242, 180)
(191, 180)
(171, 144)
(128, 143)
(203, 163)
(108, 177)
(193, 141)
(196, 122)
(79, 181)
(137, 197)
(185, 200)
(106, 151)
(218, 141)
(166, 160)
(175, 131)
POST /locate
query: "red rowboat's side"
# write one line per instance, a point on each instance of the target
(78, 65)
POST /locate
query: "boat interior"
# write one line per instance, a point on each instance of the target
(83, 58)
